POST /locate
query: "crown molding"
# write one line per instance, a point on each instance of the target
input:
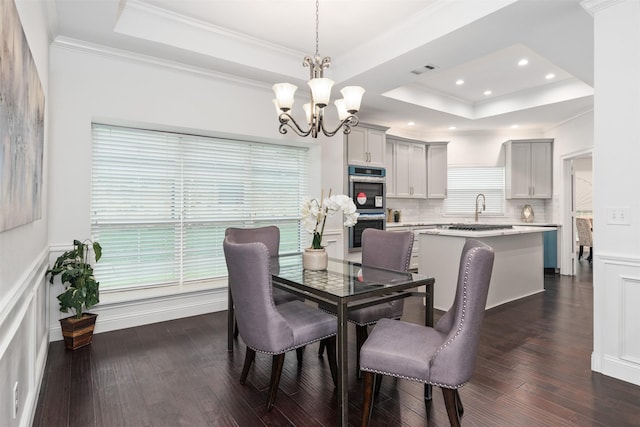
(108, 52)
(595, 6)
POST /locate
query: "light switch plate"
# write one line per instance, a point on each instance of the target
(618, 215)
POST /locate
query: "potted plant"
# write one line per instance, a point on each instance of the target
(314, 218)
(80, 292)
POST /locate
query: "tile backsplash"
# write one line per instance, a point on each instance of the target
(433, 210)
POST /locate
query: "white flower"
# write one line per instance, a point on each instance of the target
(315, 215)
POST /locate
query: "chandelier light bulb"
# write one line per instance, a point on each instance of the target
(352, 98)
(342, 109)
(285, 95)
(307, 111)
(321, 90)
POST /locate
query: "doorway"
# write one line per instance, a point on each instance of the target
(577, 178)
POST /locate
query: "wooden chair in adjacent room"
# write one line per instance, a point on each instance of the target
(442, 356)
(264, 326)
(390, 250)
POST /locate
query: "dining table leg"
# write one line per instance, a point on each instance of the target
(231, 320)
(428, 321)
(343, 365)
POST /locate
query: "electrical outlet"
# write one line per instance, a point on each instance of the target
(15, 400)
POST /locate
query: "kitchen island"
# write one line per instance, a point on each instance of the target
(518, 269)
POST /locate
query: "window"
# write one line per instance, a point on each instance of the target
(464, 185)
(161, 202)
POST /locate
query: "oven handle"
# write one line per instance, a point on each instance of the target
(358, 178)
(371, 217)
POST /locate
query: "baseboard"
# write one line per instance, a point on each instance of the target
(143, 312)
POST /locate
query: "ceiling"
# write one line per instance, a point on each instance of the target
(407, 54)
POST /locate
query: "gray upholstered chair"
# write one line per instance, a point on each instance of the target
(383, 249)
(270, 236)
(265, 327)
(443, 356)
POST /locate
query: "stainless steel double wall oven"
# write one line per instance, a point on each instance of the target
(367, 189)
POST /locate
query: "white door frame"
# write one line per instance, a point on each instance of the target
(567, 202)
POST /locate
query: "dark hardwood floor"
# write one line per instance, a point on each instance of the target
(533, 369)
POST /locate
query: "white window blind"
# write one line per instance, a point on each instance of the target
(465, 183)
(162, 201)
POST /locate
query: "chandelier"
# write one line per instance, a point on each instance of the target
(320, 86)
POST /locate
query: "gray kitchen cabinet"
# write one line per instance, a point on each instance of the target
(409, 167)
(528, 169)
(366, 146)
(437, 170)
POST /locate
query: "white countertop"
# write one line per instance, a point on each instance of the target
(517, 229)
(419, 223)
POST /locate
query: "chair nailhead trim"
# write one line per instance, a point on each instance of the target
(291, 348)
(419, 380)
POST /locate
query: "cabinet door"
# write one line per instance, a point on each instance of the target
(401, 166)
(437, 171)
(357, 147)
(519, 171)
(541, 173)
(418, 171)
(375, 147)
(390, 167)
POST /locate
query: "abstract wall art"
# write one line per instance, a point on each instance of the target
(21, 125)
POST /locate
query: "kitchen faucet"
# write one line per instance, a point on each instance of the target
(484, 200)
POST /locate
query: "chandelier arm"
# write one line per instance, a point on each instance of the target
(285, 120)
(349, 122)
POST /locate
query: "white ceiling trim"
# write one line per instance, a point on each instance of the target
(565, 90)
(148, 22)
(595, 6)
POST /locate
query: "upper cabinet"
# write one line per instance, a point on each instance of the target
(416, 169)
(528, 169)
(366, 146)
(410, 168)
(437, 170)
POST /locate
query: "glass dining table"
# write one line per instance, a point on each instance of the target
(346, 285)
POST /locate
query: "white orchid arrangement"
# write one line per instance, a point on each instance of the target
(314, 214)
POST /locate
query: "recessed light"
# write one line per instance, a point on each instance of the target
(459, 82)
(515, 126)
(550, 76)
(523, 62)
(452, 128)
(487, 92)
(411, 123)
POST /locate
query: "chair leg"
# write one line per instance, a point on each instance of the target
(331, 355)
(590, 258)
(249, 357)
(378, 384)
(367, 399)
(323, 344)
(451, 403)
(459, 404)
(362, 333)
(235, 330)
(299, 353)
(276, 371)
(580, 252)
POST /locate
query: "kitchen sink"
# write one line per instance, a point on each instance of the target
(479, 227)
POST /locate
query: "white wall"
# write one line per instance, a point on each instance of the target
(23, 256)
(91, 84)
(616, 262)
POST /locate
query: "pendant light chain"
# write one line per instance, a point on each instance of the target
(317, 25)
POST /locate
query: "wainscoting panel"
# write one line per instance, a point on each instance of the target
(616, 326)
(23, 345)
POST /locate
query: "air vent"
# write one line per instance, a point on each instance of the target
(424, 69)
